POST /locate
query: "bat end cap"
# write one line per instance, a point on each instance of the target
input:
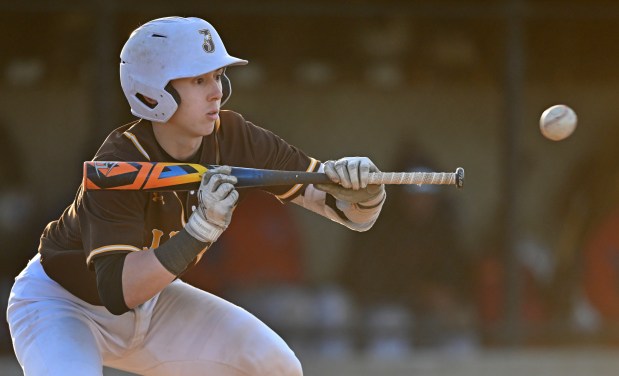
(459, 177)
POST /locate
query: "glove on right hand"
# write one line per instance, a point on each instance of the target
(217, 197)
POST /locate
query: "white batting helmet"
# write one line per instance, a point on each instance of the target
(165, 49)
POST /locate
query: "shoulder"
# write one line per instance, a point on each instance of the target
(131, 141)
(231, 122)
(233, 125)
(231, 117)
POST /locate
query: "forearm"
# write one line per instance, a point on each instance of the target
(143, 277)
(358, 217)
(145, 273)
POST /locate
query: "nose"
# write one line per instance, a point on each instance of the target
(215, 91)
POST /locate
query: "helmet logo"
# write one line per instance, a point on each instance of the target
(208, 45)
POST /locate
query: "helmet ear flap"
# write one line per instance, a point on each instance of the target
(170, 89)
(136, 91)
(226, 88)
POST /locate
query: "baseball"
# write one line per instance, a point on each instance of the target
(558, 122)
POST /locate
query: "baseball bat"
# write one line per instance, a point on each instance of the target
(164, 176)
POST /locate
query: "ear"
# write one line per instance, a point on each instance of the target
(150, 101)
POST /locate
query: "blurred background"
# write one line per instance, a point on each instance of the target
(523, 262)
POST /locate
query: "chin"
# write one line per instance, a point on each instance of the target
(207, 129)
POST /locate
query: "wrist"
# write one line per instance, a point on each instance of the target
(359, 214)
(374, 201)
(202, 230)
(179, 252)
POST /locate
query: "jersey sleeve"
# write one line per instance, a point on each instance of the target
(248, 145)
(112, 222)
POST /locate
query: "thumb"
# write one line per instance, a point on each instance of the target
(374, 189)
(329, 188)
(335, 190)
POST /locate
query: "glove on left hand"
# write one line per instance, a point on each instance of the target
(352, 175)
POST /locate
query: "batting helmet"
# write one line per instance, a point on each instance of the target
(165, 49)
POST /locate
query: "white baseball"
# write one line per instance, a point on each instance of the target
(558, 122)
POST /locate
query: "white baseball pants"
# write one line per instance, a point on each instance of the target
(181, 331)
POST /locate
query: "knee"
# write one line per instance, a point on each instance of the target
(270, 356)
(259, 351)
(289, 365)
(275, 361)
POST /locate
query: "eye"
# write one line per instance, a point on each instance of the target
(218, 76)
(199, 80)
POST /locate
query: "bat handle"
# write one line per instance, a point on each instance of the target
(450, 178)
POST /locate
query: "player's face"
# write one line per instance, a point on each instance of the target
(200, 101)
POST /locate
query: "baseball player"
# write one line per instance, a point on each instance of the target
(104, 288)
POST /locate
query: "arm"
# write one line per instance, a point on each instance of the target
(143, 277)
(126, 281)
(217, 199)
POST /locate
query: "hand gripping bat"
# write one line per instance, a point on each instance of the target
(163, 176)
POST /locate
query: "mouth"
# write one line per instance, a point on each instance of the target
(213, 114)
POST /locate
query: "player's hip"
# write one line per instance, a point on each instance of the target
(33, 284)
(37, 302)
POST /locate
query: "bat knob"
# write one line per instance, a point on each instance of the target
(459, 177)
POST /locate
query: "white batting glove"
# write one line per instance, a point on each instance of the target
(217, 198)
(352, 175)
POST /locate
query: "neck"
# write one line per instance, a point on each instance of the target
(181, 147)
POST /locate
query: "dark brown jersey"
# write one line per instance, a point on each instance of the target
(100, 223)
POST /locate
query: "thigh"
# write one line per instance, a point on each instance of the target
(50, 339)
(196, 333)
